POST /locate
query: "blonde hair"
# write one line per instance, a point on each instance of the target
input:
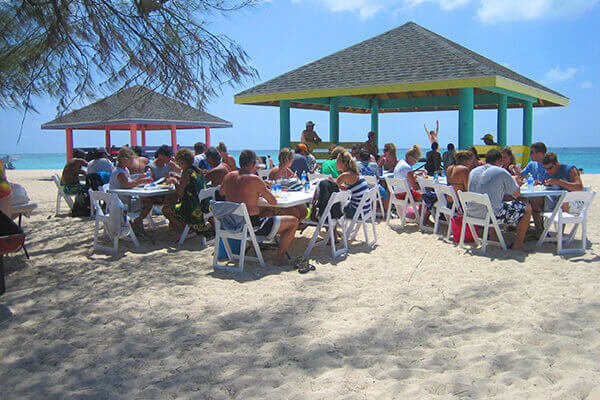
(414, 152)
(184, 156)
(348, 161)
(336, 152)
(391, 148)
(463, 156)
(285, 155)
(125, 153)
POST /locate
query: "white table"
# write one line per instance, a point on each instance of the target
(537, 191)
(141, 192)
(290, 199)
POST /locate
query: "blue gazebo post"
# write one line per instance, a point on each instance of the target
(502, 130)
(284, 123)
(334, 120)
(375, 119)
(527, 123)
(465, 118)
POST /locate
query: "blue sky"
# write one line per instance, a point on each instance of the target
(554, 42)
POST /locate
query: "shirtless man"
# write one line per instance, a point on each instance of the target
(433, 135)
(458, 173)
(244, 186)
(227, 158)
(139, 164)
(371, 144)
(71, 172)
(309, 135)
(218, 169)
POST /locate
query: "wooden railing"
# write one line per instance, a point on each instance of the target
(321, 150)
(521, 153)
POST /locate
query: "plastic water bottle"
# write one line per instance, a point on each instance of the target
(529, 180)
(278, 186)
(304, 179)
(436, 177)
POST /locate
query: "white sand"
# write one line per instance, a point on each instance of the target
(413, 318)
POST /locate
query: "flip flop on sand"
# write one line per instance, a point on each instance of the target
(302, 265)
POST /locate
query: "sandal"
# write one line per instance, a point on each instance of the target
(303, 265)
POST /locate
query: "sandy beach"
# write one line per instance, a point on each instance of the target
(413, 318)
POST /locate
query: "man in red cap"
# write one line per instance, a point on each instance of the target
(300, 163)
(371, 144)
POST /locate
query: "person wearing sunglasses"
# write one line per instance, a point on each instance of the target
(562, 175)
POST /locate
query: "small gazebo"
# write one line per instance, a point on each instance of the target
(133, 109)
(406, 69)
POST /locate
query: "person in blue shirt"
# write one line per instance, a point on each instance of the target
(535, 167)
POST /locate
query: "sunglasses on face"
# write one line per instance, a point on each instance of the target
(550, 167)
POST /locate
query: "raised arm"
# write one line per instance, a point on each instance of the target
(573, 185)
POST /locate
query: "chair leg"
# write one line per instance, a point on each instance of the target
(449, 220)
(484, 238)
(544, 234)
(242, 252)
(312, 242)
(583, 237)
(559, 244)
(183, 235)
(389, 212)
(461, 243)
(57, 204)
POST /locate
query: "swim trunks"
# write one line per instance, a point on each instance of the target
(265, 226)
(73, 188)
(512, 212)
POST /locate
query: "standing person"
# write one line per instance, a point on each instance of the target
(5, 193)
(389, 160)
(309, 135)
(218, 169)
(299, 162)
(433, 135)
(448, 156)
(433, 159)
(351, 180)
(139, 164)
(329, 167)
(200, 157)
(187, 210)
(497, 183)
(163, 165)
(371, 144)
(227, 158)
(72, 171)
(244, 186)
(283, 171)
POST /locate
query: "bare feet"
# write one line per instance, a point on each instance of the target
(521, 248)
(283, 262)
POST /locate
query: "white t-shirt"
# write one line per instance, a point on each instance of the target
(494, 181)
(198, 158)
(401, 171)
(101, 164)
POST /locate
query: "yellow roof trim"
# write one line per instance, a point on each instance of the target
(518, 87)
(355, 91)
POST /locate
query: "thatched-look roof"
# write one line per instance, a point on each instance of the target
(137, 105)
(417, 68)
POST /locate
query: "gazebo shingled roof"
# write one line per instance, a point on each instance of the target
(403, 70)
(136, 108)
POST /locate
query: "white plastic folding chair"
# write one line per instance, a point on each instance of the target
(558, 219)
(397, 187)
(445, 208)
(316, 176)
(60, 194)
(483, 200)
(426, 185)
(330, 223)
(264, 173)
(226, 214)
(362, 217)
(372, 181)
(114, 221)
(208, 193)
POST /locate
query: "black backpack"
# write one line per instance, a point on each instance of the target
(324, 190)
(81, 205)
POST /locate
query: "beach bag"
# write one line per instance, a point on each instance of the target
(94, 181)
(456, 226)
(18, 194)
(81, 205)
(322, 194)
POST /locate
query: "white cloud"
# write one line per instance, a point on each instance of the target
(586, 84)
(493, 11)
(365, 8)
(559, 75)
(444, 4)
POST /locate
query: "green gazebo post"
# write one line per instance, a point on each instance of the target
(375, 119)
(284, 124)
(502, 107)
(334, 120)
(527, 123)
(465, 118)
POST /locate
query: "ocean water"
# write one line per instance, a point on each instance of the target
(587, 158)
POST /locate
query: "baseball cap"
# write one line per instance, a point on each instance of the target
(302, 146)
(489, 136)
(310, 123)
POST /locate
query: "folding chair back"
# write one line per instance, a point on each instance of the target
(208, 193)
(579, 203)
(448, 209)
(396, 187)
(233, 222)
(372, 181)
(60, 194)
(112, 218)
(316, 176)
(427, 186)
(488, 220)
(330, 223)
(362, 217)
(264, 173)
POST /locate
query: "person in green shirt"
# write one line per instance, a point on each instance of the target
(329, 167)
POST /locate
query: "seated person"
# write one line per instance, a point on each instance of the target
(120, 179)
(187, 210)
(433, 158)
(309, 135)
(371, 144)
(349, 179)
(299, 162)
(508, 160)
(244, 186)
(72, 171)
(139, 164)
(283, 171)
(458, 174)
(492, 179)
(100, 164)
(404, 170)
(535, 166)
(560, 176)
(226, 157)
(448, 156)
(163, 165)
(218, 169)
(310, 160)
(473, 150)
(356, 151)
(389, 160)
(365, 166)
(200, 156)
(329, 167)
(5, 193)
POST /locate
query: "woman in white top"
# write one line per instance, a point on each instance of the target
(404, 169)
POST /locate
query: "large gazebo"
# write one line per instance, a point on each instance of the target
(133, 109)
(406, 69)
